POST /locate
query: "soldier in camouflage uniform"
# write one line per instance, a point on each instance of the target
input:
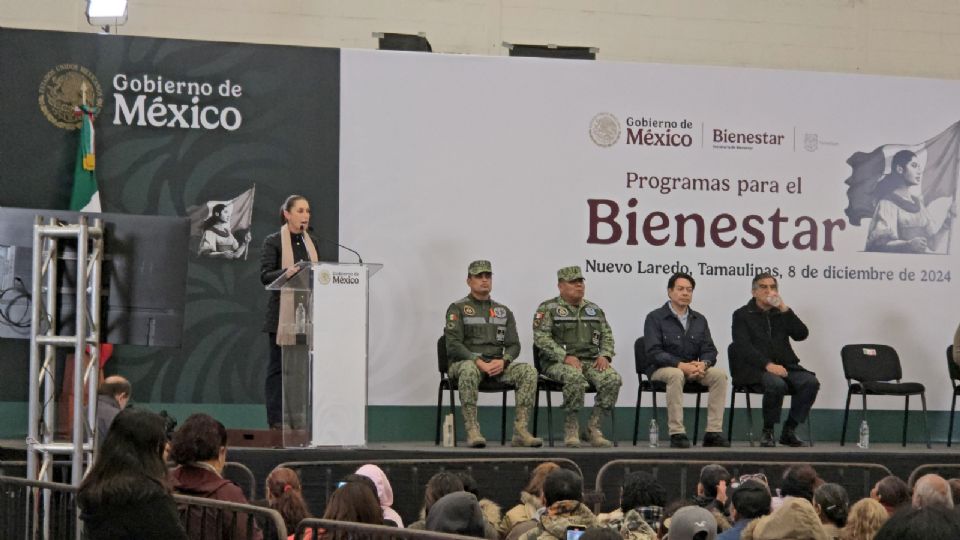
(482, 341)
(576, 346)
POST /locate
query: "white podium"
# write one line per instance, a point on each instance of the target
(325, 372)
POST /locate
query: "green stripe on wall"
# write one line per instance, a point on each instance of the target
(418, 423)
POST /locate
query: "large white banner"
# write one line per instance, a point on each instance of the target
(634, 171)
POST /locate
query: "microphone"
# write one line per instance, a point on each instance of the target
(325, 239)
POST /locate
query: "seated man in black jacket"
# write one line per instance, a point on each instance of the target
(762, 330)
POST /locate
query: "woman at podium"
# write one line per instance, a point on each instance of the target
(281, 251)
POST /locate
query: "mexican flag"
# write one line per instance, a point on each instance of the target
(85, 196)
(939, 157)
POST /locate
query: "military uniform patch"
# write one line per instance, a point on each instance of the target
(468, 310)
(595, 339)
(451, 325)
(499, 311)
(590, 311)
(562, 311)
(453, 316)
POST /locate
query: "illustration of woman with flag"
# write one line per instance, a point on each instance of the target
(901, 222)
(217, 239)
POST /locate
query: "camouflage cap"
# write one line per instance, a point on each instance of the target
(569, 273)
(478, 267)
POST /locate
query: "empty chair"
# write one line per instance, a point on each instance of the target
(875, 370)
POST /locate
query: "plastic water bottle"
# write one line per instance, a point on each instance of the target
(864, 441)
(301, 322)
(654, 433)
(448, 441)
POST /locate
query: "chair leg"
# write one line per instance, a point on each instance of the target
(536, 410)
(549, 419)
(636, 416)
(810, 428)
(439, 412)
(749, 420)
(656, 413)
(953, 410)
(613, 425)
(926, 428)
(846, 415)
(696, 419)
(503, 420)
(733, 401)
(906, 414)
(453, 411)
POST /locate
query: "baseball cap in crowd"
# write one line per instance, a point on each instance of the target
(690, 520)
(569, 273)
(479, 267)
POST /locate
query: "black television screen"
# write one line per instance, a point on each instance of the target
(143, 281)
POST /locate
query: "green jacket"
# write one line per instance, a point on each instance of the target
(554, 521)
(560, 329)
(480, 329)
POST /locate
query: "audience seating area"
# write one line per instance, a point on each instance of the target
(320, 479)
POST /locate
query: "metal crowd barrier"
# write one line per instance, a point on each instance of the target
(500, 479)
(22, 509)
(207, 519)
(946, 470)
(241, 475)
(680, 477)
(310, 529)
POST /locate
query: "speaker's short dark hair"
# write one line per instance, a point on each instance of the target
(562, 485)
(673, 280)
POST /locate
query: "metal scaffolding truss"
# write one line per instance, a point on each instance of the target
(50, 237)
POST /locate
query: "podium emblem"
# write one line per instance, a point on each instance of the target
(325, 277)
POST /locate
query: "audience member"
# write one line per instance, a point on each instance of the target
(749, 501)
(693, 523)
(955, 490)
(530, 502)
(353, 502)
(669, 510)
(458, 513)
(891, 492)
(126, 494)
(798, 481)
(712, 493)
(490, 509)
(384, 492)
(113, 394)
(932, 490)
(831, 503)
(929, 523)
(199, 449)
(794, 520)
(440, 484)
(864, 520)
(285, 495)
(562, 499)
(641, 508)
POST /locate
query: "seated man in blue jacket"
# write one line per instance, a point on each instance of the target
(679, 348)
(762, 330)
